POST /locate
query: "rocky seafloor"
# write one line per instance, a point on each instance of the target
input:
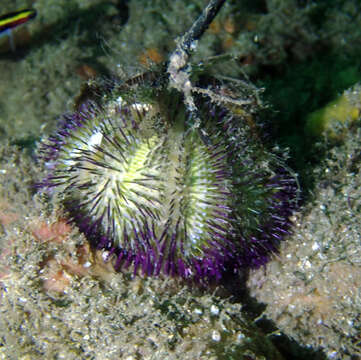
(59, 300)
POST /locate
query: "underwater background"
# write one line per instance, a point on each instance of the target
(59, 300)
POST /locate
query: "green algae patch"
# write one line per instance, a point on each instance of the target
(330, 119)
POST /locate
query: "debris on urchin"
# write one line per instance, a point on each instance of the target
(141, 183)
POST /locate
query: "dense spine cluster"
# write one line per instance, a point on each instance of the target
(143, 185)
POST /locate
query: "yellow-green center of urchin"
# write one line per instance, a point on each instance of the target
(148, 186)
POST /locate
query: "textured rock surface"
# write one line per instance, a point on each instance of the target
(312, 290)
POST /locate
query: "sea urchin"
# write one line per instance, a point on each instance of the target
(143, 185)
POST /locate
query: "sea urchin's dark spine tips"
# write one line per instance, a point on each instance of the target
(143, 185)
